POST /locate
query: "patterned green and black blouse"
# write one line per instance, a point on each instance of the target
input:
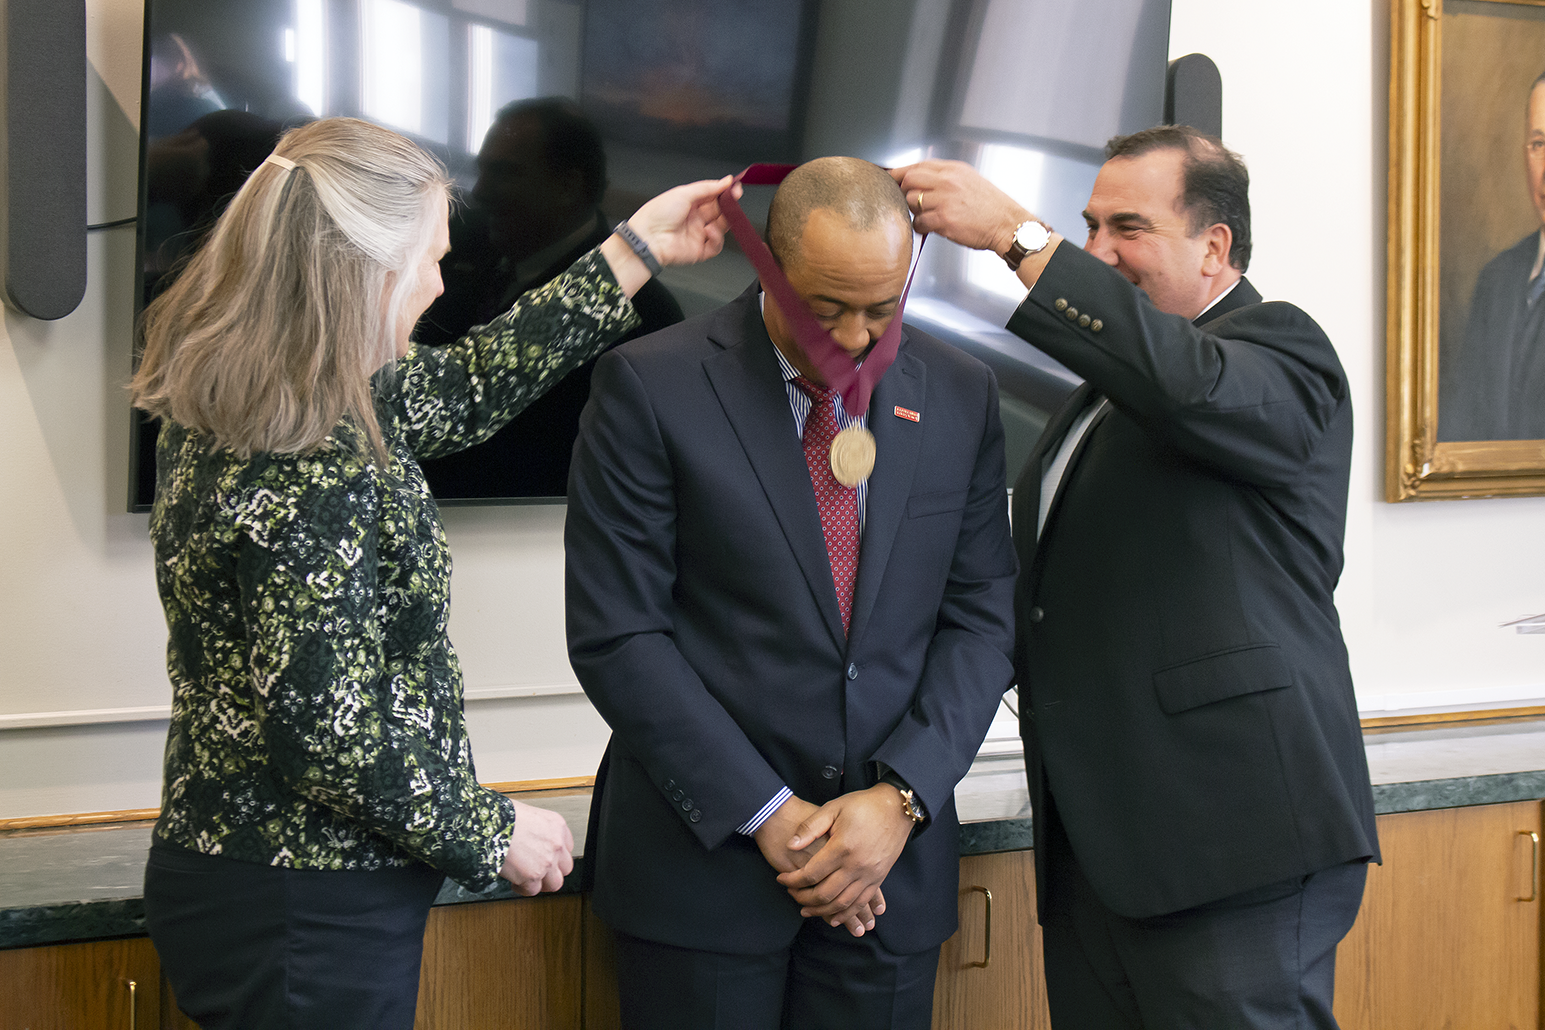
(316, 701)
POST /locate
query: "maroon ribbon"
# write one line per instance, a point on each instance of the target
(835, 364)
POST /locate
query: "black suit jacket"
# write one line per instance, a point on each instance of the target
(1491, 386)
(1185, 693)
(703, 624)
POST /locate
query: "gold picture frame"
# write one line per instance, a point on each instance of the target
(1421, 305)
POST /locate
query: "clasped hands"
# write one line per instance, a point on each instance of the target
(832, 859)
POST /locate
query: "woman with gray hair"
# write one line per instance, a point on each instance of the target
(318, 775)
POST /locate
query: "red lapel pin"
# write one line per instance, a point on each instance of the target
(908, 414)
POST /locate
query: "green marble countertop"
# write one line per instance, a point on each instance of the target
(85, 883)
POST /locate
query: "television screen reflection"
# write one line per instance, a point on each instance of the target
(557, 118)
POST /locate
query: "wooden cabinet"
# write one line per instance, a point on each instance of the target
(1443, 940)
(991, 975)
(1449, 936)
(503, 964)
(100, 985)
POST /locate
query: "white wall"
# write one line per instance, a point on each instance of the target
(1425, 588)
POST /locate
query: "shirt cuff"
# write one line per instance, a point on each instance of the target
(753, 824)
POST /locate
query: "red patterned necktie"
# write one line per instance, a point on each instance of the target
(838, 504)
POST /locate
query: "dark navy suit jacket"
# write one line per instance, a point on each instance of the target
(1492, 386)
(1185, 696)
(703, 624)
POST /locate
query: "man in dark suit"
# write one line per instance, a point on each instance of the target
(1202, 808)
(541, 174)
(1492, 386)
(789, 719)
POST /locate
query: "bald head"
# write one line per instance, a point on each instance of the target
(862, 194)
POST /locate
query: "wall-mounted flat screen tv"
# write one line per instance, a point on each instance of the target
(653, 93)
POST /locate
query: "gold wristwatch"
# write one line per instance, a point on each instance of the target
(909, 800)
(911, 806)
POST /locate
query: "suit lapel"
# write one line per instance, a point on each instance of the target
(898, 442)
(1027, 491)
(749, 385)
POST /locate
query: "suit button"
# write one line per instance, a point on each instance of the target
(829, 772)
(1083, 321)
(1096, 325)
(852, 671)
(670, 784)
(1036, 614)
(1071, 314)
(1061, 305)
(686, 806)
(677, 795)
(697, 815)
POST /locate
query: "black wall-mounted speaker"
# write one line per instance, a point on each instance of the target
(43, 150)
(1193, 94)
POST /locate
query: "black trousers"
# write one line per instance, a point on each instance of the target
(1261, 960)
(825, 980)
(268, 948)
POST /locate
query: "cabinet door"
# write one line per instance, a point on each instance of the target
(993, 978)
(1442, 940)
(112, 985)
(502, 965)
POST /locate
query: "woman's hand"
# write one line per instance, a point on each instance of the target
(681, 226)
(541, 851)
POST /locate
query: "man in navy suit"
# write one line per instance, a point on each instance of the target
(789, 719)
(1203, 815)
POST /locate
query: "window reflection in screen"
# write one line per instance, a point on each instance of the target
(501, 67)
(1017, 172)
(405, 81)
(306, 49)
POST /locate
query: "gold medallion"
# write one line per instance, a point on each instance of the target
(852, 456)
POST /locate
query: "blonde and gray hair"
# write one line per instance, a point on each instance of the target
(270, 335)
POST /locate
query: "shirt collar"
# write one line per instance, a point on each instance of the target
(1219, 297)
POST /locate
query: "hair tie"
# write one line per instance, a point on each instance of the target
(282, 162)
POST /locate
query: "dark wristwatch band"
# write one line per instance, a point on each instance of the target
(640, 248)
(1019, 248)
(910, 802)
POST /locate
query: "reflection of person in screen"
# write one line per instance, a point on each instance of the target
(1493, 386)
(179, 90)
(536, 207)
(190, 177)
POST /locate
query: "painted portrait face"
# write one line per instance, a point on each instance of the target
(1534, 149)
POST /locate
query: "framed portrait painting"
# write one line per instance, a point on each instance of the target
(1466, 288)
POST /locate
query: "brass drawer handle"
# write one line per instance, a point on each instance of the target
(987, 927)
(1534, 864)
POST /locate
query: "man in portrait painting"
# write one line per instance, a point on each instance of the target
(1492, 386)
